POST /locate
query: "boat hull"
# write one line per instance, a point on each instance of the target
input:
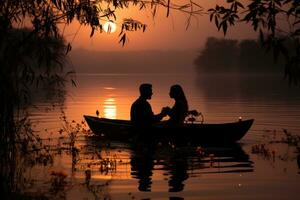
(122, 130)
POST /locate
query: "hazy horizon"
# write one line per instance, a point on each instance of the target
(147, 61)
(215, 57)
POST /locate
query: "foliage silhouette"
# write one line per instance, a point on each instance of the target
(265, 17)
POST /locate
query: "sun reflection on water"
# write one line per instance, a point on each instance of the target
(110, 108)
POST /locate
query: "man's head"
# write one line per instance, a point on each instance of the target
(146, 90)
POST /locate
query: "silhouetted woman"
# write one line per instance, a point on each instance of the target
(179, 111)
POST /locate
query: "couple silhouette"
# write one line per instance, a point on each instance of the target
(141, 113)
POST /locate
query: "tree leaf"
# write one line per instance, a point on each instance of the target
(92, 32)
(168, 8)
(73, 83)
(123, 39)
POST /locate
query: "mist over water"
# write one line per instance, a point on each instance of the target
(132, 62)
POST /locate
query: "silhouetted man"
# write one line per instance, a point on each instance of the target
(141, 113)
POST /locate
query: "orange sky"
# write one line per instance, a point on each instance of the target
(162, 33)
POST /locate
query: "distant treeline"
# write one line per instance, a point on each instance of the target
(225, 55)
(122, 62)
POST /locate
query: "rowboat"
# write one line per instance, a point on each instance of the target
(116, 129)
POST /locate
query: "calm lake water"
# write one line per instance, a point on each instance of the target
(124, 171)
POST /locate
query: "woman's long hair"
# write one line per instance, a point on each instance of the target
(178, 93)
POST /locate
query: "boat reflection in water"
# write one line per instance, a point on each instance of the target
(180, 163)
(147, 161)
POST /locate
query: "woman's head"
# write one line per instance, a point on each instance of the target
(176, 92)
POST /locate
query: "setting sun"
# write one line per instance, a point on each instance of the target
(109, 27)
